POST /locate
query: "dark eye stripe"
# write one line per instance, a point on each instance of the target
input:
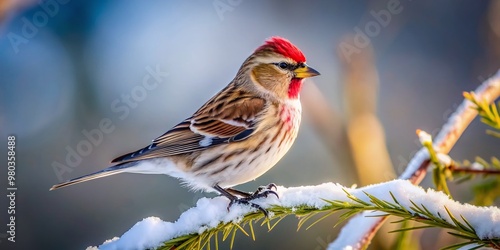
(284, 65)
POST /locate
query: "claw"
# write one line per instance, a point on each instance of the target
(271, 186)
(244, 201)
(264, 191)
(272, 192)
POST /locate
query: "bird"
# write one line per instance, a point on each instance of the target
(236, 136)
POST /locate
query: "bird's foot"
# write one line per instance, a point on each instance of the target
(261, 192)
(264, 192)
(245, 201)
(247, 198)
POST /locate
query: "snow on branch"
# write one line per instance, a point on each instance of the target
(360, 230)
(198, 225)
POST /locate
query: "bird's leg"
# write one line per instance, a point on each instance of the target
(234, 199)
(261, 192)
(239, 193)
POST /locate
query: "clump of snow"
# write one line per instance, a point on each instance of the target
(424, 137)
(152, 231)
(208, 213)
(309, 195)
(477, 166)
(105, 242)
(444, 159)
(414, 164)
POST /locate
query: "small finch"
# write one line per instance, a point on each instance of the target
(236, 136)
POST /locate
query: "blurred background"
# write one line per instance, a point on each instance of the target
(70, 69)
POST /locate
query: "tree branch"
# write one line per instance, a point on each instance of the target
(485, 171)
(202, 225)
(416, 170)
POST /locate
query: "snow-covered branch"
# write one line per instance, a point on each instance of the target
(416, 170)
(399, 197)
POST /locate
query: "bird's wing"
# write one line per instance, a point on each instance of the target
(219, 121)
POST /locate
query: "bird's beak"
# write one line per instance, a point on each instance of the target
(305, 72)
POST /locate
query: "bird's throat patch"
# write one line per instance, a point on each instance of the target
(294, 88)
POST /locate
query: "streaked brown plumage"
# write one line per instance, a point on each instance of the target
(238, 135)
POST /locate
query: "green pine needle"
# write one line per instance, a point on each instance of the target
(458, 226)
(488, 112)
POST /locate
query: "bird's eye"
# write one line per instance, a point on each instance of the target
(283, 65)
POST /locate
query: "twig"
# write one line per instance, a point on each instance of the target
(486, 171)
(416, 170)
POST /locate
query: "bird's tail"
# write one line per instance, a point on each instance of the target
(120, 168)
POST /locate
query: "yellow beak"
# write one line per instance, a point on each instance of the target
(305, 71)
